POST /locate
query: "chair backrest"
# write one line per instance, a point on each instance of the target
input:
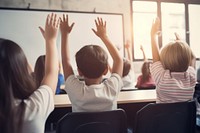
(113, 121)
(177, 117)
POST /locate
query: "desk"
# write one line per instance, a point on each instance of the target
(130, 101)
(124, 97)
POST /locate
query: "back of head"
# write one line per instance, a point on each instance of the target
(92, 61)
(145, 71)
(16, 83)
(39, 70)
(126, 67)
(176, 56)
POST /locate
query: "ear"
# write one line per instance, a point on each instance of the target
(80, 73)
(105, 71)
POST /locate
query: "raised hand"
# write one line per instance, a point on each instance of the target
(141, 48)
(155, 26)
(51, 27)
(64, 25)
(154, 31)
(177, 36)
(101, 28)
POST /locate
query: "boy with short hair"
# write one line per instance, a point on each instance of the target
(92, 62)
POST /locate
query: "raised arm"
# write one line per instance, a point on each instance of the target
(65, 31)
(101, 33)
(193, 57)
(128, 50)
(143, 53)
(154, 31)
(51, 62)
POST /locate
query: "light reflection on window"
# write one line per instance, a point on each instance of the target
(194, 26)
(173, 20)
(143, 15)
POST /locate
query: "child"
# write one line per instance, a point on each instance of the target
(128, 76)
(145, 81)
(172, 70)
(23, 107)
(39, 72)
(92, 61)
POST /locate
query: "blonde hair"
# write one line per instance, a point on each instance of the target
(176, 56)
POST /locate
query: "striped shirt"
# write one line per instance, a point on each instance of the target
(173, 86)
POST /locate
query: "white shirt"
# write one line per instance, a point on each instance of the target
(38, 107)
(129, 80)
(98, 97)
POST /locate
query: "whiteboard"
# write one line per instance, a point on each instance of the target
(21, 26)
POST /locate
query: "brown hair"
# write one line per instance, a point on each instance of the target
(92, 61)
(16, 83)
(126, 67)
(39, 70)
(145, 71)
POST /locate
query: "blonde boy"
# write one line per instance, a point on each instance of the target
(172, 70)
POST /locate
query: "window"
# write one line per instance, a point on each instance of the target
(173, 20)
(194, 26)
(182, 17)
(143, 14)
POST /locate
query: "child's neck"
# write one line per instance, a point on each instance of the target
(93, 81)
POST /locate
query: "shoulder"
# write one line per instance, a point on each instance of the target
(41, 100)
(115, 80)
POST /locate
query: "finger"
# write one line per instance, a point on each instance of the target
(60, 19)
(42, 31)
(105, 24)
(55, 20)
(101, 21)
(67, 18)
(96, 23)
(51, 19)
(58, 23)
(63, 17)
(47, 19)
(94, 31)
(72, 25)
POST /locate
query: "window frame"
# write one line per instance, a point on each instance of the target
(185, 2)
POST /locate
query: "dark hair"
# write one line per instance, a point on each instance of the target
(126, 67)
(145, 71)
(16, 83)
(39, 70)
(92, 61)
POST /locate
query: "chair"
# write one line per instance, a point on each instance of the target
(177, 117)
(197, 98)
(93, 122)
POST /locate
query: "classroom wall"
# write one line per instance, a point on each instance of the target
(109, 6)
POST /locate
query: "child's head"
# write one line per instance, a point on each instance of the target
(145, 71)
(176, 56)
(39, 70)
(16, 83)
(126, 67)
(92, 61)
(146, 68)
(14, 71)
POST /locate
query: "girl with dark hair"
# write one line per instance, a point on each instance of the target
(145, 81)
(39, 72)
(23, 106)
